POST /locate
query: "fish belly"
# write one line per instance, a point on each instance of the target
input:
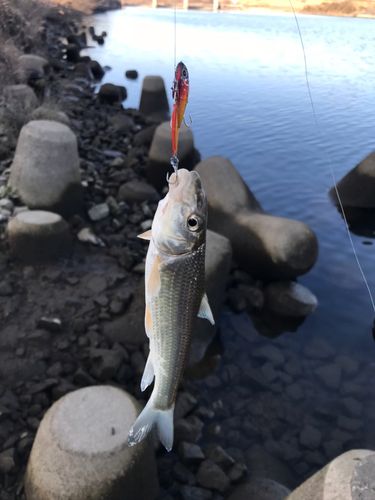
(173, 311)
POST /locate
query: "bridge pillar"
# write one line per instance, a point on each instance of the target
(215, 5)
(154, 4)
(186, 5)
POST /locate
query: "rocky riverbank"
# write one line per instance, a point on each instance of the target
(78, 322)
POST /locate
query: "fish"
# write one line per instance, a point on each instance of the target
(175, 296)
(180, 94)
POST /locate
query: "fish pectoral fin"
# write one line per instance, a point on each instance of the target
(205, 310)
(153, 284)
(148, 374)
(145, 236)
(149, 418)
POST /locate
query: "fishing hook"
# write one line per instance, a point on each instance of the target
(191, 122)
(174, 163)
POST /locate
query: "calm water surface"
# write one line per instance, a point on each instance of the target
(249, 102)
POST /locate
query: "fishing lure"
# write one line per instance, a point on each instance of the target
(180, 95)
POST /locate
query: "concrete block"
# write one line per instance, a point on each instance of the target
(36, 236)
(20, 97)
(45, 169)
(154, 102)
(80, 451)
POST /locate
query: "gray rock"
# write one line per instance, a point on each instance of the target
(356, 188)
(86, 235)
(189, 429)
(154, 102)
(185, 403)
(6, 204)
(253, 295)
(209, 475)
(50, 324)
(159, 157)
(46, 113)
(237, 472)
(263, 245)
(262, 464)
(216, 454)
(236, 300)
(271, 353)
(92, 423)
(137, 192)
(260, 489)
(269, 372)
(37, 236)
(190, 453)
(99, 212)
(329, 375)
(349, 424)
(352, 406)
(348, 365)
(333, 448)
(110, 94)
(319, 349)
(9, 461)
(295, 391)
(256, 379)
(105, 363)
(289, 298)
(183, 474)
(310, 437)
(122, 123)
(45, 169)
(195, 493)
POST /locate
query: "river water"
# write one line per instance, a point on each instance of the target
(249, 102)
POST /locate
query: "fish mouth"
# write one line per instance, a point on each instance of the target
(186, 181)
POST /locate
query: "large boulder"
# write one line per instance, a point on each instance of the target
(31, 66)
(357, 187)
(111, 94)
(264, 245)
(80, 450)
(289, 298)
(45, 169)
(349, 477)
(260, 489)
(159, 157)
(130, 327)
(36, 236)
(154, 102)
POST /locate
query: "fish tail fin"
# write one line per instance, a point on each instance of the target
(149, 418)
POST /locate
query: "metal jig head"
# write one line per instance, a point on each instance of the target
(174, 163)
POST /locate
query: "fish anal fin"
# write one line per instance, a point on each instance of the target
(145, 236)
(148, 374)
(205, 310)
(153, 284)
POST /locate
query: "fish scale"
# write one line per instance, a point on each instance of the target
(174, 314)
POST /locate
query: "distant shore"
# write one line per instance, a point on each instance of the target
(339, 9)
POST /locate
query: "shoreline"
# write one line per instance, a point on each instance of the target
(258, 11)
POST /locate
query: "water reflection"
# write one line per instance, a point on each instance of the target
(361, 221)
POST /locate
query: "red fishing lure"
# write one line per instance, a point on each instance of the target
(180, 94)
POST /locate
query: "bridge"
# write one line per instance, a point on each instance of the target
(185, 6)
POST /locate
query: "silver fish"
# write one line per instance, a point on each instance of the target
(175, 296)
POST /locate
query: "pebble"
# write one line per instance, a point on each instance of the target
(210, 475)
(86, 235)
(329, 375)
(217, 454)
(319, 349)
(188, 429)
(9, 461)
(183, 474)
(195, 493)
(310, 437)
(237, 472)
(6, 289)
(99, 212)
(349, 424)
(271, 353)
(333, 448)
(50, 324)
(295, 391)
(236, 300)
(185, 403)
(190, 453)
(352, 406)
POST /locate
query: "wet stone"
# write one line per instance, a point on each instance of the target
(301, 468)
(329, 375)
(236, 300)
(188, 429)
(256, 379)
(185, 403)
(105, 363)
(99, 212)
(349, 424)
(349, 366)
(270, 353)
(352, 406)
(314, 458)
(195, 493)
(209, 475)
(218, 455)
(295, 391)
(236, 472)
(6, 288)
(9, 463)
(333, 448)
(319, 349)
(50, 324)
(310, 437)
(190, 453)
(183, 474)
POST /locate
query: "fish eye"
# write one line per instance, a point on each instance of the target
(193, 223)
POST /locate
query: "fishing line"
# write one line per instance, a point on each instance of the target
(325, 149)
(175, 35)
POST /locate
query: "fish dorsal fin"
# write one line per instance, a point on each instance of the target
(153, 283)
(205, 310)
(145, 236)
